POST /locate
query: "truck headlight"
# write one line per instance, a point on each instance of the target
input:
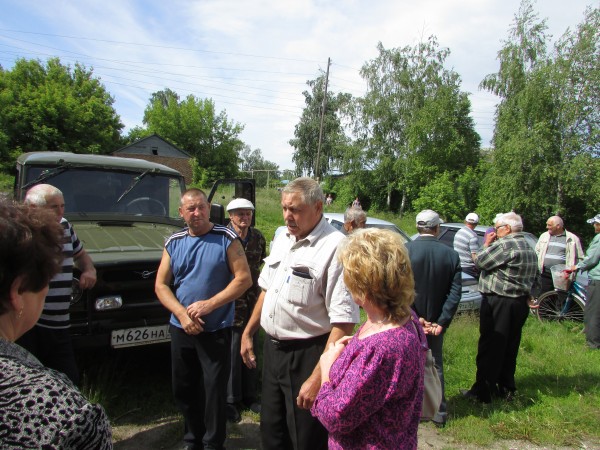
(108, 302)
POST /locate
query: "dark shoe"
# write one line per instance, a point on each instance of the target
(506, 394)
(232, 413)
(468, 393)
(189, 447)
(255, 407)
(439, 424)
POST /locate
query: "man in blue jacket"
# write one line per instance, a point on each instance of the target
(438, 284)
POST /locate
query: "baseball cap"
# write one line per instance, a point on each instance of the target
(428, 218)
(240, 203)
(595, 219)
(472, 218)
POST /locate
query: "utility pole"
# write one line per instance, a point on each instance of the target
(323, 106)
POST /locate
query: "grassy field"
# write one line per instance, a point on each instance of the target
(558, 378)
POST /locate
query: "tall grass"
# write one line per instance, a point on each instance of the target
(558, 388)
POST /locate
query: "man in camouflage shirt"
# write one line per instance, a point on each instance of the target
(242, 380)
(509, 271)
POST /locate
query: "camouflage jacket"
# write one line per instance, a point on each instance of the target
(256, 250)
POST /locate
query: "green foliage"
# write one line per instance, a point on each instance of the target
(135, 134)
(413, 124)
(193, 125)
(547, 122)
(53, 107)
(442, 196)
(306, 134)
(253, 165)
(6, 182)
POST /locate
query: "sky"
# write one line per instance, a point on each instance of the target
(254, 57)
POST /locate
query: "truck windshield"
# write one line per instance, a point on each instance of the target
(103, 191)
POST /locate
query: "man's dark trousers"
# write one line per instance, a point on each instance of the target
(200, 370)
(501, 320)
(287, 365)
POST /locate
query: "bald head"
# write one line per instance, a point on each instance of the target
(555, 225)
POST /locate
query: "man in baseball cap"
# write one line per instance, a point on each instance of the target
(466, 243)
(438, 285)
(428, 218)
(591, 264)
(595, 219)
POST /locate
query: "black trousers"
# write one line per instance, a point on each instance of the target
(287, 365)
(200, 369)
(501, 320)
(54, 349)
(591, 314)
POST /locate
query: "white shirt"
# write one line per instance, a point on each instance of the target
(304, 284)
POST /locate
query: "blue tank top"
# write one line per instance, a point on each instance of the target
(200, 270)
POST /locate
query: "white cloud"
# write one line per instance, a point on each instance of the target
(254, 57)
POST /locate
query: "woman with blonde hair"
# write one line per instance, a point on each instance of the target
(372, 383)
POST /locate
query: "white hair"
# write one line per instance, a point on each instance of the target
(39, 194)
(353, 214)
(512, 219)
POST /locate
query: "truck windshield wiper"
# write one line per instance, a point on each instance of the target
(46, 175)
(134, 182)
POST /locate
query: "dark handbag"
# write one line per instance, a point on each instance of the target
(432, 386)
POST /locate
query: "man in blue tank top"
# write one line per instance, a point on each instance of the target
(206, 265)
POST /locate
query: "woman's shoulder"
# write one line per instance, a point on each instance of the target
(51, 405)
(394, 341)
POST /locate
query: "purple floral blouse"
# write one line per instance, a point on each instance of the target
(373, 399)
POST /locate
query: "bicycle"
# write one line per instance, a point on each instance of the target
(562, 305)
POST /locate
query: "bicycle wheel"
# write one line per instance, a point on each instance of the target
(552, 306)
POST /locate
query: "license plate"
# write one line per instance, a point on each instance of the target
(130, 337)
(465, 306)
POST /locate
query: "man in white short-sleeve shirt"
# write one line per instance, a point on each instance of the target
(303, 306)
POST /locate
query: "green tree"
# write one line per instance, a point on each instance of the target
(194, 125)
(52, 107)
(547, 120)
(255, 166)
(306, 141)
(442, 196)
(135, 134)
(413, 123)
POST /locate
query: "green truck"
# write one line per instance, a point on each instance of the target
(122, 209)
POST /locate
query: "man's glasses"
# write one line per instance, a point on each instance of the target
(498, 227)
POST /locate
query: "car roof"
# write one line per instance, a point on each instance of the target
(478, 228)
(90, 160)
(370, 220)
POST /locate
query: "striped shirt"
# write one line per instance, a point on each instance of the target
(466, 243)
(509, 267)
(56, 307)
(556, 251)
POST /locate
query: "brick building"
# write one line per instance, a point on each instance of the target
(156, 149)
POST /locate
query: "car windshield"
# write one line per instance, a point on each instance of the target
(104, 191)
